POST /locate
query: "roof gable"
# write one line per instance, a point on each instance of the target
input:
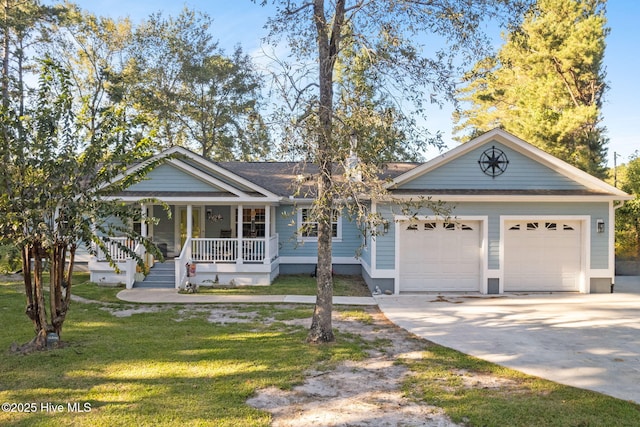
(529, 170)
(170, 177)
(186, 173)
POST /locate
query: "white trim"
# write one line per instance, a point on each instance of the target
(300, 238)
(484, 245)
(523, 148)
(204, 200)
(206, 178)
(225, 172)
(271, 197)
(176, 223)
(314, 260)
(373, 243)
(612, 243)
(601, 273)
(584, 285)
(510, 198)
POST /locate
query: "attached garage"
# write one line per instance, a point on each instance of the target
(522, 221)
(439, 256)
(543, 255)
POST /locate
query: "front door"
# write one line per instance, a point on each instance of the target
(196, 228)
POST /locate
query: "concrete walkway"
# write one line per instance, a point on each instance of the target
(587, 341)
(160, 295)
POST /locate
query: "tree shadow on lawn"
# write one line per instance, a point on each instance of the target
(151, 369)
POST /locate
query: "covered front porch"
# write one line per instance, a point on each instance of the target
(228, 244)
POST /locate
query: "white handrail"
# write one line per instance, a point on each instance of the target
(181, 263)
(132, 266)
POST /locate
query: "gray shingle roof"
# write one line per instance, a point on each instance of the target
(281, 178)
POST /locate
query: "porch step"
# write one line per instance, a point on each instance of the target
(161, 275)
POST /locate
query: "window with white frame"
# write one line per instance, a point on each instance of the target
(308, 226)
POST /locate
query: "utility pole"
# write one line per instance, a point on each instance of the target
(615, 169)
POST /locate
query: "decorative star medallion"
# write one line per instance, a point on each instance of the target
(493, 162)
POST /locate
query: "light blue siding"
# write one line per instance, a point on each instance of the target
(599, 241)
(386, 243)
(522, 173)
(286, 226)
(170, 178)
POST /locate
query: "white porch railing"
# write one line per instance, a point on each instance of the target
(214, 250)
(273, 247)
(226, 250)
(115, 250)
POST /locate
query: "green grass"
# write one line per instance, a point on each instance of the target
(295, 284)
(151, 369)
(517, 400)
(174, 367)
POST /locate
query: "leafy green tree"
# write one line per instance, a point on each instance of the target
(95, 52)
(55, 193)
(546, 83)
(628, 216)
(386, 34)
(198, 96)
(24, 25)
(218, 107)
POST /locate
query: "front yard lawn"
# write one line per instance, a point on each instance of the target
(295, 284)
(159, 365)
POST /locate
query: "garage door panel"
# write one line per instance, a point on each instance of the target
(438, 256)
(542, 255)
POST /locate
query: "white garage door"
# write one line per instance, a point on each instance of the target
(542, 255)
(439, 256)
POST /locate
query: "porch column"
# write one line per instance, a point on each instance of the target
(143, 220)
(267, 234)
(239, 259)
(143, 230)
(189, 221)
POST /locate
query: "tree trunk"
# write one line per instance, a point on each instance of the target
(5, 55)
(36, 308)
(328, 47)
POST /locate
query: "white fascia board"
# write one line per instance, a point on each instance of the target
(314, 260)
(505, 198)
(200, 200)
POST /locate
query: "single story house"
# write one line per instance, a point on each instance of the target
(522, 220)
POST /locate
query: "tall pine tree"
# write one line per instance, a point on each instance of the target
(546, 84)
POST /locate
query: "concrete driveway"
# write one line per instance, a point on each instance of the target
(587, 341)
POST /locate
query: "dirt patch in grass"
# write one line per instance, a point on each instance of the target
(367, 392)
